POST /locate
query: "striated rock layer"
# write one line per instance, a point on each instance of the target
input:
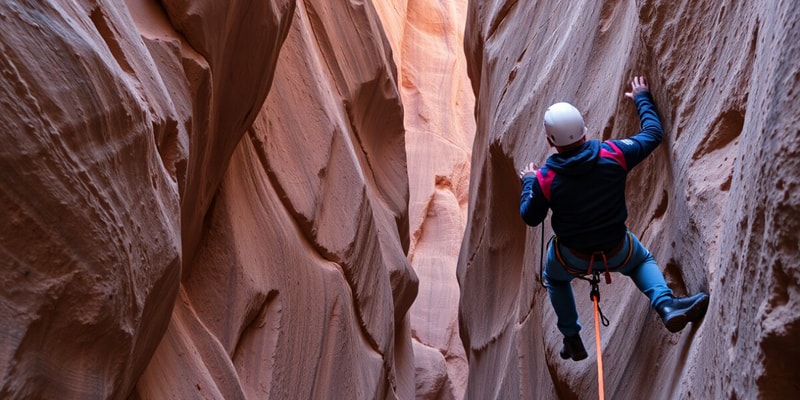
(118, 121)
(427, 39)
(717, 203)
(90, 235)
(300, 280)
(211, 199)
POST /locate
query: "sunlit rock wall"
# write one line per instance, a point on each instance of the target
(427, 40)
(171, 231)
(716, 203)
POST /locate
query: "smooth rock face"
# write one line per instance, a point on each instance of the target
(717, 203)
(300, 285)
(427, 39)
(212, 199)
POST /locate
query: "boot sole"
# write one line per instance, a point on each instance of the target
(697, 310)
(574, 357)
(579, 356)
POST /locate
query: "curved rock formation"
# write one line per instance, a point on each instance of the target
(90, 235)
(238, 199)
(300, 278)
(128, 179)
(427, 39)
(716, 203)
(118, 123)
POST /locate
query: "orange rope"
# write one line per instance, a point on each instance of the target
(600, 385)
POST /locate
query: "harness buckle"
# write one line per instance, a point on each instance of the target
(594, 293)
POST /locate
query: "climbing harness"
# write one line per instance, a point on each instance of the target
(591, 259)
(594, 294)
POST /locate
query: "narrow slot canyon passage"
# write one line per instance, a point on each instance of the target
(320, 199)
(427, 42)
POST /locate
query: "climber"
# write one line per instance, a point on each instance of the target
(584, 185)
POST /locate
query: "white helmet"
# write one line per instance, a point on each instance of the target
(563, 124)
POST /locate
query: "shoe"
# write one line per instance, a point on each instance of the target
(679, 311)
(573, 348)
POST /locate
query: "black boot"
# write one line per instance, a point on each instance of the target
(678, 311)
(573, 348)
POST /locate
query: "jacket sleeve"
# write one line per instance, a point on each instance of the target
(637, 147)
(532, 205)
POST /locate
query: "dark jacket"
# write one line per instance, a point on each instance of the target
(585, 187)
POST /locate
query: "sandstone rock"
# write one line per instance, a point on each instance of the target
(240, 42)
(300, 283)
(90, 233)
(431, 374)
(149, 155)
(294, 280)
(715, 203)
(102, 106)
(427, 45)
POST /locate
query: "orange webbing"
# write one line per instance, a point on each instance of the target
(600, 383)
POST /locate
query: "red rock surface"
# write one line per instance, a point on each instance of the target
(300, 279)
(211, 199)
(130, 174)
(204, 199)
(118, 123)
(90, 235)
(717, 203)
(427, 38)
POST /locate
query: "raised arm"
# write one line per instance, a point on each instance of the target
(637, 147)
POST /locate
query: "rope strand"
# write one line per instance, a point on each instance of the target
(599, 318)
(600, 381)
(594, 295)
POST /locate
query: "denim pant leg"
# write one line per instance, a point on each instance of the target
(644, 272)
(641, 268)
(558, 281)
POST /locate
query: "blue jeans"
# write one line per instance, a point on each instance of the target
(641, 268)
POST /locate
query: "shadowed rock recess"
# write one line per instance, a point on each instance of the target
(717, 203)
(317, 199)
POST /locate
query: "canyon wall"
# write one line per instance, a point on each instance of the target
(118, 122)
(300, 278)
(226, 199)
(427, 39)
(717, 203)
(241, 199)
